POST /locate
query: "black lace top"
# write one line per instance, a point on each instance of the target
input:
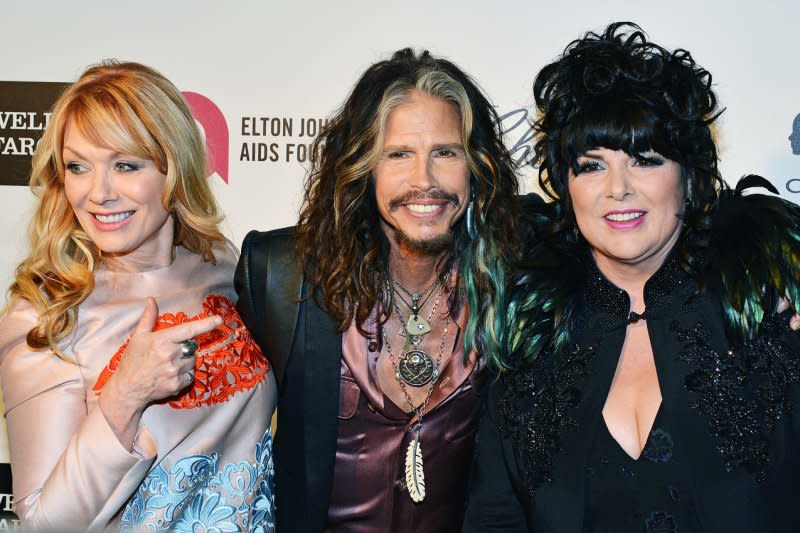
(729, 424)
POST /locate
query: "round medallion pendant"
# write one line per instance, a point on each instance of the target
(416, 368)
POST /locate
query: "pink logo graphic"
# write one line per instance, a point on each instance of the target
(213, 122)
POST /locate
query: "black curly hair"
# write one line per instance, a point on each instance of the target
(617, 90)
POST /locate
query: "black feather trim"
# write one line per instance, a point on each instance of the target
(755, 239)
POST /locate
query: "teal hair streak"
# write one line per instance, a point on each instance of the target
(483, 270)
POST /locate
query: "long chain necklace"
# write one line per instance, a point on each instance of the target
(415, 366)
(416, 325)
(415, 474)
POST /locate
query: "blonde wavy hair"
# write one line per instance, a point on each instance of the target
(134, 109)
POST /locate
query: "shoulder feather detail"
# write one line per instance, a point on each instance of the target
(754, 255)
(543, 292)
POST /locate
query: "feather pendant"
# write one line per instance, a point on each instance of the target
(415, 477)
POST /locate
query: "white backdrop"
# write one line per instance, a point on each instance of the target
(269, 59)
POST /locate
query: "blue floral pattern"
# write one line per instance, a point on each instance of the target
(660, 522)
(658, 448)
(197, 495)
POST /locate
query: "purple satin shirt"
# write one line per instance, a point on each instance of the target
(369, 493)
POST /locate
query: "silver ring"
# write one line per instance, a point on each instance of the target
(190, 373)
(188, 347)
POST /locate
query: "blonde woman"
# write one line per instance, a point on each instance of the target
(135, 398)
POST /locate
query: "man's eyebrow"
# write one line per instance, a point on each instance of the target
(449, 146)
(397, 148)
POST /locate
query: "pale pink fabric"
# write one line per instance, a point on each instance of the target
(69, 470)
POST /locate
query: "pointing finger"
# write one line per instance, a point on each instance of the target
(191, 329)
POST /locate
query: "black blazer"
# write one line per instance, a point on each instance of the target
(305, 351)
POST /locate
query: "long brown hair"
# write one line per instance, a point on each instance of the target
(339, 237)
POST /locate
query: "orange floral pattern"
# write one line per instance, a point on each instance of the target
(228, 360)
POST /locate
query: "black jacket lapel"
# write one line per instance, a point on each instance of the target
(323, 356)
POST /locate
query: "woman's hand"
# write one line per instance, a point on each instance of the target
(794, 322)
(152, 367)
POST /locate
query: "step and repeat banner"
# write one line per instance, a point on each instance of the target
(262, 78)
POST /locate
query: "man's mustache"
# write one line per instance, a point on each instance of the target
(436, 194)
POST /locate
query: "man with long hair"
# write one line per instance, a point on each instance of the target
(375, 307)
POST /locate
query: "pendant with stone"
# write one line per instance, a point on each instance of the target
(416, 325)
(417, 368)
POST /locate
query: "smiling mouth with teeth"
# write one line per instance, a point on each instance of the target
(423, 208)
(111, 219)
(623, 217)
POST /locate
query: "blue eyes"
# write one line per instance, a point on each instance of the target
(74, 168)
(123, 166)
(120, 166)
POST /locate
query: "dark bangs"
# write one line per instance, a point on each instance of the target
(617, 123)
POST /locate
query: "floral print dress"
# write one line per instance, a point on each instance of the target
(201, 458)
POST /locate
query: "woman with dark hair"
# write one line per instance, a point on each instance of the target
(135, 398)
(647, 382)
